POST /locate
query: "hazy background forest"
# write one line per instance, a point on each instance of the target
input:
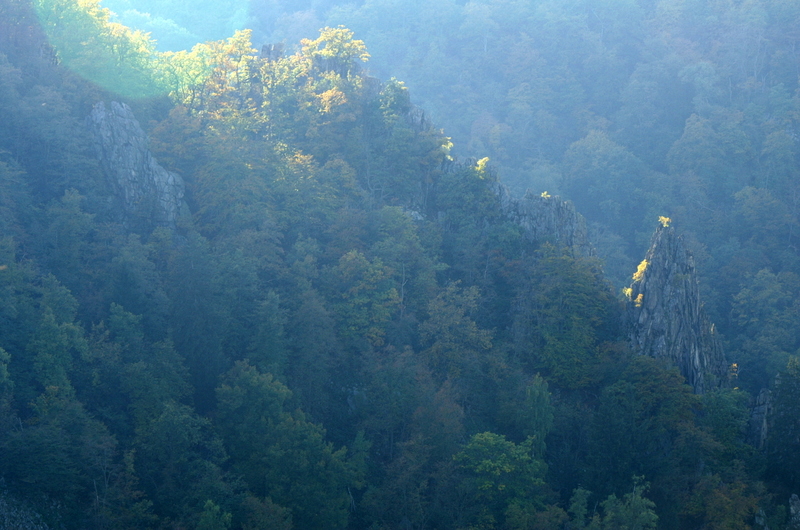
(323, 315)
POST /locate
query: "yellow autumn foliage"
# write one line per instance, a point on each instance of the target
(639, 274)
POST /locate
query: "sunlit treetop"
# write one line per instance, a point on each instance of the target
(481, 166)
(126, 62)
(335, 49)
(106, 53)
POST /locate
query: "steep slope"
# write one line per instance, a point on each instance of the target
(666, 316)
(144, 192)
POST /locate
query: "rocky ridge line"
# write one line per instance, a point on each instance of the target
(548, 218)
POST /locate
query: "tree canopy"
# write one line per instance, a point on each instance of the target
(348, 325)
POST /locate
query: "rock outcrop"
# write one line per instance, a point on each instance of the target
(794, 511)
(759, 419)
(666, 317)
(547, 218)
(144, 193)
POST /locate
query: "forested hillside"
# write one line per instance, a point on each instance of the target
(631, 109)
(247, 288)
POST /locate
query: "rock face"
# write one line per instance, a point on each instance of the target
(666, 317)
(144, 193)
(794, 511)
(548, 218)
(759, 417)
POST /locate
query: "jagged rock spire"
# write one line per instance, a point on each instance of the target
(145, 194)
(666, 317)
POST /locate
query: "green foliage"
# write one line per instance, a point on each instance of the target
(54, 347)
(280, 454)
(501, 476)
(105, 53)
(62, 453)
(178, 457)
(148, 374)
(213, 518)
(399, 246)
(197, 315)
(536, 416)
(579, 510)
(66, 239)
(14, 200)
(782, 460)
(645, 426)
(136, 286)
(602, 178)
(499, 466)
(465, 195)
(265, 514)
(721, 504)
(456, 343)
(563, 317)
(765, 309)
(6, 384)
(420, 445)
(368, 300)
(314, 349)
(367, 289)
(726, 415)
(632, 512)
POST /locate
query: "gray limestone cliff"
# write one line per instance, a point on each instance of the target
(144, 193)
(548, 218)
(666, 318)
(760, 413)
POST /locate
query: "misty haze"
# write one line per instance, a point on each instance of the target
(399, 264)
